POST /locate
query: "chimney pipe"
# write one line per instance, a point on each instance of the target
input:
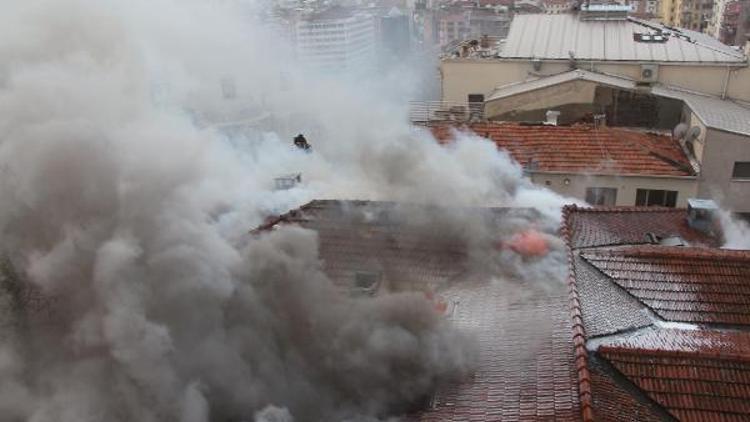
(702, 215)
(552, 116)
(600, 120)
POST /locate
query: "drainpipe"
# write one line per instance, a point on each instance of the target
(725, 85)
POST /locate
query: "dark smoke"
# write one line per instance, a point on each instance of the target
(130, 291)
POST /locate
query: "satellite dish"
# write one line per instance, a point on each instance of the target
(680, 131)
(693, 133)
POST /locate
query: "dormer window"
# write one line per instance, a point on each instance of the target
(366, 283)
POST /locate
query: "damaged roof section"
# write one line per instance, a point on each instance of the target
(564, 35)
(519, 317)
(583, 149)
(676, 341)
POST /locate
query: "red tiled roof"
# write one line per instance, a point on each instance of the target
(526, 369)
(583, 149)
(606, 226)
(682, 284)
(526, 366)
(580, 353)
(697, 375)
(615, 402)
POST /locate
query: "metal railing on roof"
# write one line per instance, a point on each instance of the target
(433, 111)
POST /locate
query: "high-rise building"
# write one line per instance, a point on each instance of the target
(395, 34)
(689, 14)
(457, 23)
(336, 39)
(731, 21)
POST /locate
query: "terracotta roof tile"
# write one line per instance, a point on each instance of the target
(526, 365)
(697, 375)
(578, 328)
(606, 308)
(694, 372)
(617, 401)
(583, 149)
(682, 284)
(605, 226)
(524, 374)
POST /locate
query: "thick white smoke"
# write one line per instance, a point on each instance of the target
(130, 292)
(736, 232)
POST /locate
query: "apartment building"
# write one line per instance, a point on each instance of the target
(594, 163)
(731, 21)
(541, 45)
(453, 23)
(713, 133)
(695, 15)
(558, 6)
(337, 39)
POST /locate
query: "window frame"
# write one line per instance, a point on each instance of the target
(601, 192)
(747, 169)
(644, 198)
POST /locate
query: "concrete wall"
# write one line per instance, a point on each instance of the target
(721, 150)
(576, 92)
(579, 99)
(700, 143)
(461, 77)
(626, 185)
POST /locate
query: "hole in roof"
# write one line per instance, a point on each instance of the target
(366, 283)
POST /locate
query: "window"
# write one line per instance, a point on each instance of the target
(365, 283)
(655, 197)
(741, 170)
(601, 196)
(476, 98)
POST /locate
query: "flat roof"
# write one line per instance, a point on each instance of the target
(548, 36)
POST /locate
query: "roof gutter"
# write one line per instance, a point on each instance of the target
(655, 176)
(725, 84)
(595, 61)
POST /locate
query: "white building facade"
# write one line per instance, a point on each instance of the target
(338, 40)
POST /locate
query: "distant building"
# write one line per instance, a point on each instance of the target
(336, 39)
(558, 6)
(695, 15)
(541, 45)
(731, 21)
(395, 34)
(527, 6)
(645, 9)
(450, 24)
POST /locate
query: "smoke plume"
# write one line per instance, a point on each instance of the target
(131, 291)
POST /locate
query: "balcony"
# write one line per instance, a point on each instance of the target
(439, 111)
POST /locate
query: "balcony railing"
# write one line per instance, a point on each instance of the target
(436, 111)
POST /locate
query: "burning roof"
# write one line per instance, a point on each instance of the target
(517, 311)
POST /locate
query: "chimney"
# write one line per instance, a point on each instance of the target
(702, 215)
(485, 42)
(552, 116)
(288, 181)
(600, 120)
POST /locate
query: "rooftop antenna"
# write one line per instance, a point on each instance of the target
(572, 60)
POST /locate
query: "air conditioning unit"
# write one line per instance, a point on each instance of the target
(649, 73)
